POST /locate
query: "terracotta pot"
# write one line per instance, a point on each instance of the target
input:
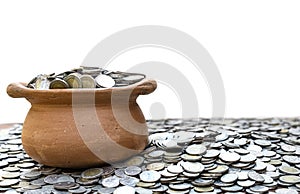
(78, 128)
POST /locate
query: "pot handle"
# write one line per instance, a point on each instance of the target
(17, 90)
(146, 86)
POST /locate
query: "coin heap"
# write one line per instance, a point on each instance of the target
(85, 77)
(183, 156)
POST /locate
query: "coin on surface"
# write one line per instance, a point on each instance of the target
(58, 84)
(111, 182)
(8, 182)
(73, 80)
(211, 153)
(196, 149)
(150, 176)
(246, 183)
(175, 169)
(229, 178)
(229, 157)
(286, 191)
(259, 189)
(78, 190)
(291, 179)
(92, 173)
(64, 185)
(255, 176)
(289, 170)
(132, 170)
(249, 158)
(135, 161)
(124, 189)
(291, 159)
(204, 189)
(156, 166)
(129, 181)
(192, 167)
(105, 81)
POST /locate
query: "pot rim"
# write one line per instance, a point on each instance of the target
(20, 89)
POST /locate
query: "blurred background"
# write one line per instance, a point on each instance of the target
(254, 44)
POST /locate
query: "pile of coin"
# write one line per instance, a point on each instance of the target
(183, 156)
(85, 77)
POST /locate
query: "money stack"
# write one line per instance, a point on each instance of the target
(84, 77)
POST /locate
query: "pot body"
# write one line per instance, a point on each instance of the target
(83, 128)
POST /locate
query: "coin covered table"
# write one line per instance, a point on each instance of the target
(183, 156)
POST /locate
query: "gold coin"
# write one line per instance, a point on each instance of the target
(87, 81)
(58, 84)
(73, 80)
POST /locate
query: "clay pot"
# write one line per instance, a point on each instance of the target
(79, 128)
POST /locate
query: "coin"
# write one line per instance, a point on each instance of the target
(92, 173)
(64, 185)
(229, 157)
(105, 81)
(249, 158)
(291, 159)
(289, 170)
(150, 176)
(259, 189)
(132, 170)
(196, 149)
(204, 189)
(73, 80)
(192, 167)
(286, 191)
(175, 169)
(58, 84)
(111, 182)
(135, 161)
(87, 81)
(78, 190)
(157, 166)
(255, 176)
(129, 181)
(229, 178)
(246, 183)
(124, 189)
(8, 182)
(292, 179)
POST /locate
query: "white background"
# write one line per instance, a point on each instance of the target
(255, 45)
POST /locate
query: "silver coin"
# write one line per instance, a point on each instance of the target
(150, 176)
(111, 182)
(8, 182)
(191, 167)
(124, 189)
(129, 181)
(229, 157)
(286, 191)
(78, 190)
(229, 178)
(246, 183)
(105, 81)
(259, 189)
(291, 159)
(196, 149)
(180, 186)
(64, 185)
(175, 169)
(255, 176)
(132, 170)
